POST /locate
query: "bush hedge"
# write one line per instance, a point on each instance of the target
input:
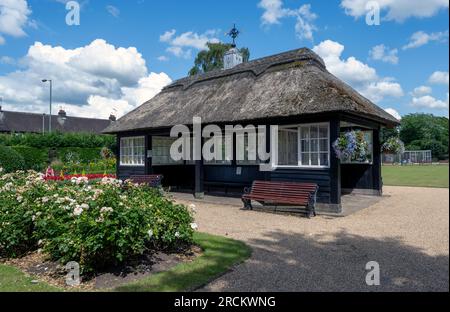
(95, 223)
(34, 158)
(58, 140)
(10, 160)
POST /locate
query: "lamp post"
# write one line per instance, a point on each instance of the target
(50, 116)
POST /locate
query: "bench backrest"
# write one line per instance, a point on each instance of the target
(153, 179)
(285, 189)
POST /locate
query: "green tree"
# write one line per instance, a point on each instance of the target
(425, 132)
(212, 58)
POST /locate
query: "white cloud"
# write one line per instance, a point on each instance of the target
(427, 101)
(396, 10)
(394, 113)
(7, 60)
(360, 76)
(163, 58)
(13, 18)
(113, 10)
(421, 38)
(421, 91)
(88, 81)
(274, 12)
(182, 45)
(439, 77)
(384, 54)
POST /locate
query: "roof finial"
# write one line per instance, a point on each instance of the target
(234, 33)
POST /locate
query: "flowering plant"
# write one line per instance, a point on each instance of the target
(96, 223)
(352, 146)
(393, 146)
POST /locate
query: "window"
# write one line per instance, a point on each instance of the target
(304, 146)
(132, 151)
(222, 147)
(250, 151)
(161, 151)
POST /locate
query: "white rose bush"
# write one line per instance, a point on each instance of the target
(97, 223)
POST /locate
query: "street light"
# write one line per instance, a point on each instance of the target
(50, 118)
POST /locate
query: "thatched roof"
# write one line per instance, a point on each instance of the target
(287, 84)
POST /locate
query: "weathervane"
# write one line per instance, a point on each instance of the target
(234, 33)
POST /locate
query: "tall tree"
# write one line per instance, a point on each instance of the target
(425, 132)
(212, 58)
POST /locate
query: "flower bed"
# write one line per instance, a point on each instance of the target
(96, 223)
(86, 177)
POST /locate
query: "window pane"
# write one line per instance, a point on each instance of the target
(305, 146)
(314, 132)
(304, 132)
(314, 145)
(288, 147)
(314, 159)
(324, 145)
(323, 132)
(305, 159)
(324, 159)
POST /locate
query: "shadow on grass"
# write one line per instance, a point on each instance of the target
(219, 255)
(286, 261)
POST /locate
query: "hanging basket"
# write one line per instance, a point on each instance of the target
(352, 146)
(393, 146)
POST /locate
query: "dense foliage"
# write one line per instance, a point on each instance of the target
(212, 58)
(425, 132)
(10, 160)
(58, 140)
(96, 223)
(422, 132)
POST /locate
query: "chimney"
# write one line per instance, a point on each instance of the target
(112, 118)
(62, 113)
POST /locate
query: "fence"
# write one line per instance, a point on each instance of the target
(408, 158)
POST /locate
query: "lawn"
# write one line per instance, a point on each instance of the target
(424, 176)
(13, 280)
(219, 255)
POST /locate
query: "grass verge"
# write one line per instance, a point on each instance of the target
(14, 280)
(422, 176)
(219, 255)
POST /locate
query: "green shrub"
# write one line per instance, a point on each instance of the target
(79, 155)
(10, 160)
(35, 158)
(97, 224)
(57, 140)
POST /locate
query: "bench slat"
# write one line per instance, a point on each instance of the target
(288, 193)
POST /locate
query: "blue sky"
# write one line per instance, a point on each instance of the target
(124, 51)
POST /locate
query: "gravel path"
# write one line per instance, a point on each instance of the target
(407, 233)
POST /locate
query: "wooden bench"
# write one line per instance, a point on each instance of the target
(282, 193)
(153, 180)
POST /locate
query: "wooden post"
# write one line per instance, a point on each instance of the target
(335, 166)
(148, 160)
(376, 166)
(199, 177)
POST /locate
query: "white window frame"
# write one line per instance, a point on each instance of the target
(299, 152)
(131, 155)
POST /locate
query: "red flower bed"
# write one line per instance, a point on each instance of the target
(88, 176)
